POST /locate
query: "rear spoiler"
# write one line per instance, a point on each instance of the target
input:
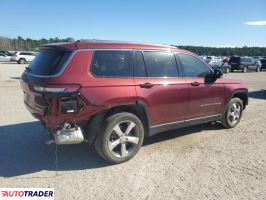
(67, 46)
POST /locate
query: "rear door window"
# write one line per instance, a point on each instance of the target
(160, 64)
(48, 62)
(108, 63)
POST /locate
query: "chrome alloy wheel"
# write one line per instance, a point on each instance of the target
(123, 139)
(234, 113)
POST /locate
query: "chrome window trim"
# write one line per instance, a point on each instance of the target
(92, 49)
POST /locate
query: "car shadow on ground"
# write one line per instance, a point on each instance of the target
(260, 94)
(181, 132)
(15, 77)
(7, 62)
(23, 150)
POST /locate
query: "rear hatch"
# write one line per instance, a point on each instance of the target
(263, 63)
(47, 64)
(234, 61)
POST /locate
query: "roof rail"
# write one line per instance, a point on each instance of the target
(121, 42)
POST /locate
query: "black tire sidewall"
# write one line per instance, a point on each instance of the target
(110, 123)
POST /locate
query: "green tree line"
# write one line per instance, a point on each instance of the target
(28, 44)
(227, 51)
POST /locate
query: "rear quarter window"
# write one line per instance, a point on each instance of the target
(48, 63)
(109, 63)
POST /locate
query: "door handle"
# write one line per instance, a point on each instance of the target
(146, 85)
(195, 84)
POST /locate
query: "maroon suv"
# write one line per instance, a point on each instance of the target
(113, 94)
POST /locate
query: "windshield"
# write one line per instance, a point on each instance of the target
(48, 62)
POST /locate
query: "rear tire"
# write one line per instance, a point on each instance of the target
(121, 138)
(233, 113)
(22, 61)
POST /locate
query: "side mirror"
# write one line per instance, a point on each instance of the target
(211, 77)
(217, 73)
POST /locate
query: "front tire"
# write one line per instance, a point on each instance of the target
(233, 113)
(22, 61)
(121, 139)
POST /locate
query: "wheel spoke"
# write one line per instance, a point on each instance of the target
(132, 139)
(130, 127)
(231, 114)
(118, 131)
(113, 144)
(234, 106)
(238, 109)
(124, 151)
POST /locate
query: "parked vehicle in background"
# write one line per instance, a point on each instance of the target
(114, 94)
(203, 58)
(210, 58)
(218, 64)
(8, 53)
(4, 57)
(243, 63)
(22, 57)
(257, 61)
(225, 60)
(263, 64)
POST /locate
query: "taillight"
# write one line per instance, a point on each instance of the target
(57, 89)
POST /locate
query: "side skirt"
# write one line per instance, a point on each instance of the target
(181, 124)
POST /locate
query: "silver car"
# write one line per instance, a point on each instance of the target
(4, 57)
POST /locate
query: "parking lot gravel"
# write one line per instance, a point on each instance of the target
(200, 162)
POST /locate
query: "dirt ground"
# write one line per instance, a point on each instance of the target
(200, 162)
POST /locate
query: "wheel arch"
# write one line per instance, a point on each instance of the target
(96, 122)
(243, 95)
(139, 108)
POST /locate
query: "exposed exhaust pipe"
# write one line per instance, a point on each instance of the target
(67, 135)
